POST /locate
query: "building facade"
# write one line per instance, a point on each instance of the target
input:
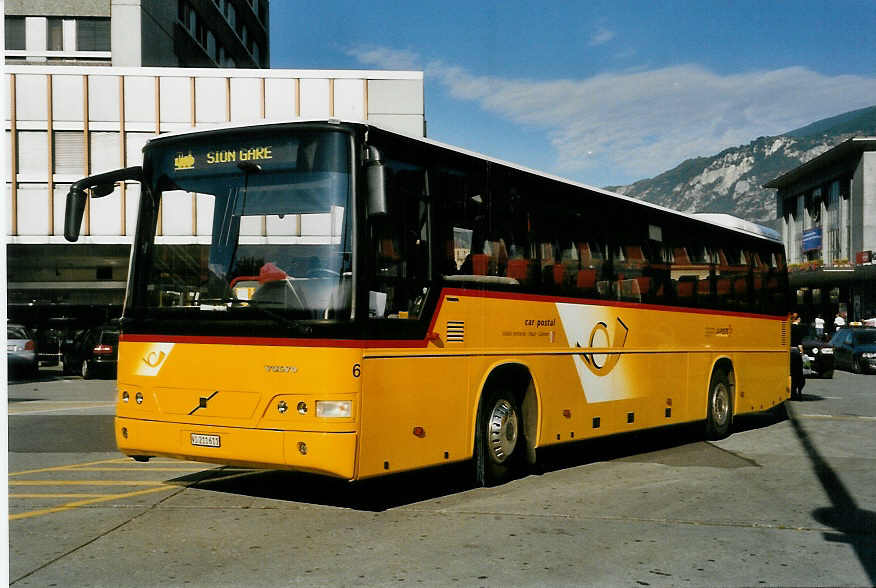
(827, 209)
(138, 33)
(63, 123)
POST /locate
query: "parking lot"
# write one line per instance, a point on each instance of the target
(782, 501)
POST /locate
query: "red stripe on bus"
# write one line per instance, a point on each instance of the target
(423, 343)
(602, 302)
(272, 341)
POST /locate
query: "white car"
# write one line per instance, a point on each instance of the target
(21, 354)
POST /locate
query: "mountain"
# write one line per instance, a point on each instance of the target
(732, 180)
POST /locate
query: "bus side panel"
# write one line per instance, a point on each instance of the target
(418, 404)
(415, 413)
(761, 381)
(700, 371)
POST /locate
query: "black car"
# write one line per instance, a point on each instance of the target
(818, 361)
(855, 349)
(92, 352)
(48, 344)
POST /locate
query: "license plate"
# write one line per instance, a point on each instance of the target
(205, 440)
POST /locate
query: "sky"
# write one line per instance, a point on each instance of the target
(601, 92)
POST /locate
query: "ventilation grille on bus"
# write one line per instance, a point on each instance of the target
(456, 331)
(784, 334)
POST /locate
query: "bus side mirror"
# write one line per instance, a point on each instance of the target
(102, 190)
(376, 180)
(76, 199)
(100, 185)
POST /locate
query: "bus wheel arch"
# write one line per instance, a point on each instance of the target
(721, 399)
(506, 424)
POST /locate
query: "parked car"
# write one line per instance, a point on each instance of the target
(48, 345)
(21, 357)
(854, 348)
(818, 359)
(92, 352)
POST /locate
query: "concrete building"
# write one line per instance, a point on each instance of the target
(138, 33)
(827, 209)
(63, 123)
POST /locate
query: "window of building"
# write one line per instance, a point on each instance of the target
(15, 37)
(211, 45)
(93, 34)
(201, 35)
(54, 34)
(813, 206)
(231, 15)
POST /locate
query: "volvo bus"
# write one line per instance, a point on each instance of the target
(355, 302)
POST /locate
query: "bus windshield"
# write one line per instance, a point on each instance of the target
(274, 227)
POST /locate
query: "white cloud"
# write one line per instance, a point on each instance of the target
(641, 123)
(601, 37)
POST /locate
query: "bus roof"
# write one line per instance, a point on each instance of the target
(726, 221)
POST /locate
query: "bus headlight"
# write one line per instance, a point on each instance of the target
(827, 350)
(867, 355)
(815, 351)
(335, 409)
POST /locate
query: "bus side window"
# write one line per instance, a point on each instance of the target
(460, 215)
(401, 246)
(508, 233)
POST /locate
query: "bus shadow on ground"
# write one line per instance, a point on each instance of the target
(681, 445)
(373, 495)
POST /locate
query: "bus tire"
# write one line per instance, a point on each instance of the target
(499, 445)
(719, 412)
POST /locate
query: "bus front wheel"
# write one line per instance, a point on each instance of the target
(499, 446)
(720, 408)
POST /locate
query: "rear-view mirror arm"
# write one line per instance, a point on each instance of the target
(100, 185)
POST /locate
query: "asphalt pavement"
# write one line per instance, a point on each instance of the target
(782, 501)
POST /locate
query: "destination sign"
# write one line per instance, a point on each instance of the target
(188, 160)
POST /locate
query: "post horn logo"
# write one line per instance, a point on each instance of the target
(154, 358)
(601, 364)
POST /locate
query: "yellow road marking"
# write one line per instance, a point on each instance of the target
(143, 468)
(88, 498)
(57, 405)
(71, 495)
(85, 482)
(70, 467)
(78, 503)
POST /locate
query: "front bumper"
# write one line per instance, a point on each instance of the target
(21, 360)
(868, 364)
(818, 364)
(331, 454)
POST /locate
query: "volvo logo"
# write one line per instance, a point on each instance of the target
(281, 369)
(202, 402)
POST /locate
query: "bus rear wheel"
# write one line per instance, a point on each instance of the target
(499, 446)
(719, 412)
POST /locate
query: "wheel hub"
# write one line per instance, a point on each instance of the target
(503, 427)
(721, 404)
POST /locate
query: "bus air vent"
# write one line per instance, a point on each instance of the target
(784, 335)
(455, 331)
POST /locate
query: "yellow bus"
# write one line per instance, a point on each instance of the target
(355, 302)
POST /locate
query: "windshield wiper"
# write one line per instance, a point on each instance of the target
(223, 304)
